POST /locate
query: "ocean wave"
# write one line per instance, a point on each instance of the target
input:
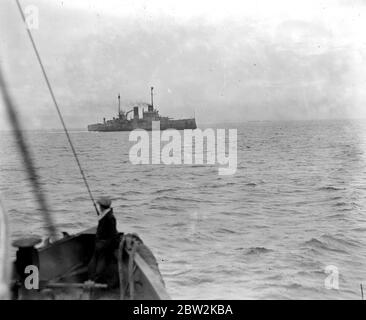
(166, 208)
(159, 191)
(228, 184)
(171, 198)
(330, 188)
(340, 216)
(342, 241)
(225, 230)
(336, 198)
(315, 243)
(257, 250)
(132, 192)
(251, 184)
(349, 205)
(340, 204)
(178, 224)
(329, 243)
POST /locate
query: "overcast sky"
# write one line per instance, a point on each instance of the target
(225, 61)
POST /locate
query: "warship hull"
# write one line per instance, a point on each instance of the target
(130, 125)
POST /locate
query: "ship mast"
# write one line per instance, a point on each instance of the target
(119, 105)
(152, 97)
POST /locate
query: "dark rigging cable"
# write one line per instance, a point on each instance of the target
(32, 174)
(57, 107)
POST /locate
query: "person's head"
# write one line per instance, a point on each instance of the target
(104, 203)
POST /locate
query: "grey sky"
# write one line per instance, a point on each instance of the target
(224, 60)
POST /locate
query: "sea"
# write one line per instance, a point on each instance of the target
(289, 224)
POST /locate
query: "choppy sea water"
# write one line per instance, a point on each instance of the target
(296, 205)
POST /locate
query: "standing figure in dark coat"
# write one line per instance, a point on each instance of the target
(106, 242)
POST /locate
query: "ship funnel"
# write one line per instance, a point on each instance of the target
(135, 112)
(150, 107)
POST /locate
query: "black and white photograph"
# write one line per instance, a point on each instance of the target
(182, 150)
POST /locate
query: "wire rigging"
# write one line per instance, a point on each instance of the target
(57, 107)
(27, 158)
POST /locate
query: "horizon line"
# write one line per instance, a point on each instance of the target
(202, 123)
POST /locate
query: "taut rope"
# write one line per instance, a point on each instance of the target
(57, 107)
(28, 161)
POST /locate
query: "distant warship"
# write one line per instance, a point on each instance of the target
(122, 123)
